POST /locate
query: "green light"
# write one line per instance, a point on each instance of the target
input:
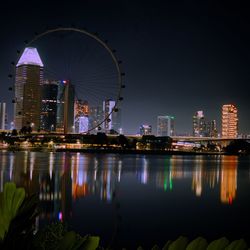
(165, 184)
(170, 183)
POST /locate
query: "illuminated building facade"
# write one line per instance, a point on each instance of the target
(49, 91)
(199, 125)
(95, 117)
(81, 116)
(29, 77)
(114, 120)
(145, 130)
(3, 115)
(229, 121)
(165, 125)
(83, 124)
(212, 129)
(65, 107)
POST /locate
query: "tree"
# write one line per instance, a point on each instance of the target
(123, 141)
(23, 130)
(14, 132)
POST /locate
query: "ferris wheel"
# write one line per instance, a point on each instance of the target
(75, 56)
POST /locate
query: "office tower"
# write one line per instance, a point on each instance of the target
(95, 117)
(83, 124)
(114, 118)
(229, 121)
(199, 125)
(145, 130)
(65, 107)
(29, 77)
(81, 116)
(165, 125)
(49, 90)
(3, 115)
(212, 129)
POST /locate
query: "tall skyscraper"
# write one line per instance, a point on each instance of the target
(95, 117)
(165, 125)
(229, 121)
(145, 130)
(65, 107)
(49, 91)
(81, 116)
(114, 120)
(2, 115)
(212, 129)
(29, 77)
(199, 125)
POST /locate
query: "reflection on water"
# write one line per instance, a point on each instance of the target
(62, 178)
(229, 180)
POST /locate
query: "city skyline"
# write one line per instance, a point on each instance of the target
(188, 56)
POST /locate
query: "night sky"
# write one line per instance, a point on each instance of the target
(179, 56)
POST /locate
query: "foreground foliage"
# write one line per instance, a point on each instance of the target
(17, 217)
(200, 243)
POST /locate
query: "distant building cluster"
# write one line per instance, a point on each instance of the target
(229, 123)
(202, 127)
(51, 105)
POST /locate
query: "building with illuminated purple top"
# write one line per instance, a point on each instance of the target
(29, 77)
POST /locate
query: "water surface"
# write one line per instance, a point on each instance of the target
(132, 200)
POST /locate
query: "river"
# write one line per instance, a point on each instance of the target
(132, 200)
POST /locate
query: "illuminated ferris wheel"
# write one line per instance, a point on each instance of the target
(85, 75)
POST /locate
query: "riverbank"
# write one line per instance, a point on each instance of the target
(115, 151)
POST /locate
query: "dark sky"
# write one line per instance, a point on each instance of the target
(179, 56)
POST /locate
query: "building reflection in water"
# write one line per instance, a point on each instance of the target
(60, 179)
(197, 175)
(91, 175)
(228, 184)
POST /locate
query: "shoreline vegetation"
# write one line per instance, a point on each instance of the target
(120, 144)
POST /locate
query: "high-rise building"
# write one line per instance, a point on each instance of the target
(229, 121)
(29, 77)
(95, 117)
(49, 90)
(199, 125)
(81, 116)
(2, 115)
(145, 129)
(65, 107)
(113, 122)
(212, 129)
(165, 125)
(83, 124)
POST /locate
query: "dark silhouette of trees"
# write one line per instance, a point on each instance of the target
(14, 132)
(123, 141)
(238, 147)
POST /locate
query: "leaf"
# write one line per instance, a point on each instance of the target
(179, 244)
(237, 245)
(8, 194)
(198, 244)
(166, 246)
(219, 244)
(91, 243)
(68, 241)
